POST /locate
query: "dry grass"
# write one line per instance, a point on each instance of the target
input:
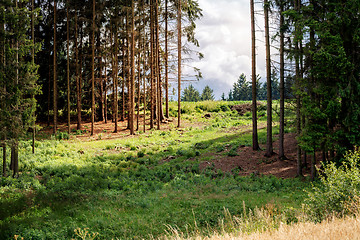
(346, 228)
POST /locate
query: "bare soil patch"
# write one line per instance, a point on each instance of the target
(250, 162)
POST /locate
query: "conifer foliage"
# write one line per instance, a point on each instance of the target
(18, 75)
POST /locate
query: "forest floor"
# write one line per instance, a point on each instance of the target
(245, 163)
(193, 178)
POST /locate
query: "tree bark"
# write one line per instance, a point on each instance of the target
(282, 89)
(179, 62)
(3, 63)
(253, 62)
(298, 101)
(4, 159)
(68, 64)
(78, 86)
(54, 72)
(105, 88)
(269, 143)
(123, 66)
(138, 89)
(166, 62)
(116, 80)
(132, 81)
(158, 72)
(93, 71)
(152, 65)
(313, 168)
(33, 62)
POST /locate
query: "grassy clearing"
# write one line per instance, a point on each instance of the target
(134, 188)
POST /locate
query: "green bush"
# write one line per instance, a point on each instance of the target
(62, 135)
(337, 190)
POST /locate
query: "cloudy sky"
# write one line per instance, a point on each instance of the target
(225, 40)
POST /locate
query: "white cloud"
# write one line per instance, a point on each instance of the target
(225, 40)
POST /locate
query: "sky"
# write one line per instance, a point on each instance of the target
(225, 40)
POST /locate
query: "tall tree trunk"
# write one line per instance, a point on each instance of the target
(132, 81)
(33, 62)
(313, 168)
(81, 58)
(101, 81)
(68, 63)
(152, 64)
(49, 91)
(166, 62)
(282, 89)
(4, 159)
(128, 69)
(123, 66)
(138, 89)
(298, 100)
(253, 62)
(116, 81)
(269, 143)
(105, 87)
(158, 72)
(15, 158)
(55, 81)
(3, 63)
(14, 153)
(78, 86)
(93, 71)
(179, 62)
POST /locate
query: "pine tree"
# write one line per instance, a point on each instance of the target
(207, 94)
(18, 76)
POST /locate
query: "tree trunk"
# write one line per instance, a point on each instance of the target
(116, 81)
(158, 72)
(152, 63)
(179, 62)
(132, 81)
(166, 62)
(78, 86)
(105, 89)
(55, 81)
(253, 62)
(269, 143)
(298, 101)
(33, 62)
(123, 66)
(3, 63)
(4, 159)
(313, 168)
(93, 71)
(68, 63)
(15, 159)
(138, 89)
(282, 89)
(128, 69)
(49, 91)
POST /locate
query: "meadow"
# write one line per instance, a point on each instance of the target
(142, 187)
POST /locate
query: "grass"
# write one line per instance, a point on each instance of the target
(135, 188)
(344, 228)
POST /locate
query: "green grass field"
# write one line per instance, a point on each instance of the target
(136, 188)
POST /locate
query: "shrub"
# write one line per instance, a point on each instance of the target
(337, 190)
(62, 135)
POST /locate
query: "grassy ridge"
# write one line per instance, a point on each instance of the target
(134, 188)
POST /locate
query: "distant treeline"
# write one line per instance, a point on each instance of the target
(241, 90)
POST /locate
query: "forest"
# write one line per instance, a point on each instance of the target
(103, 135)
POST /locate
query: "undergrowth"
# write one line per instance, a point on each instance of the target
(136, 188)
